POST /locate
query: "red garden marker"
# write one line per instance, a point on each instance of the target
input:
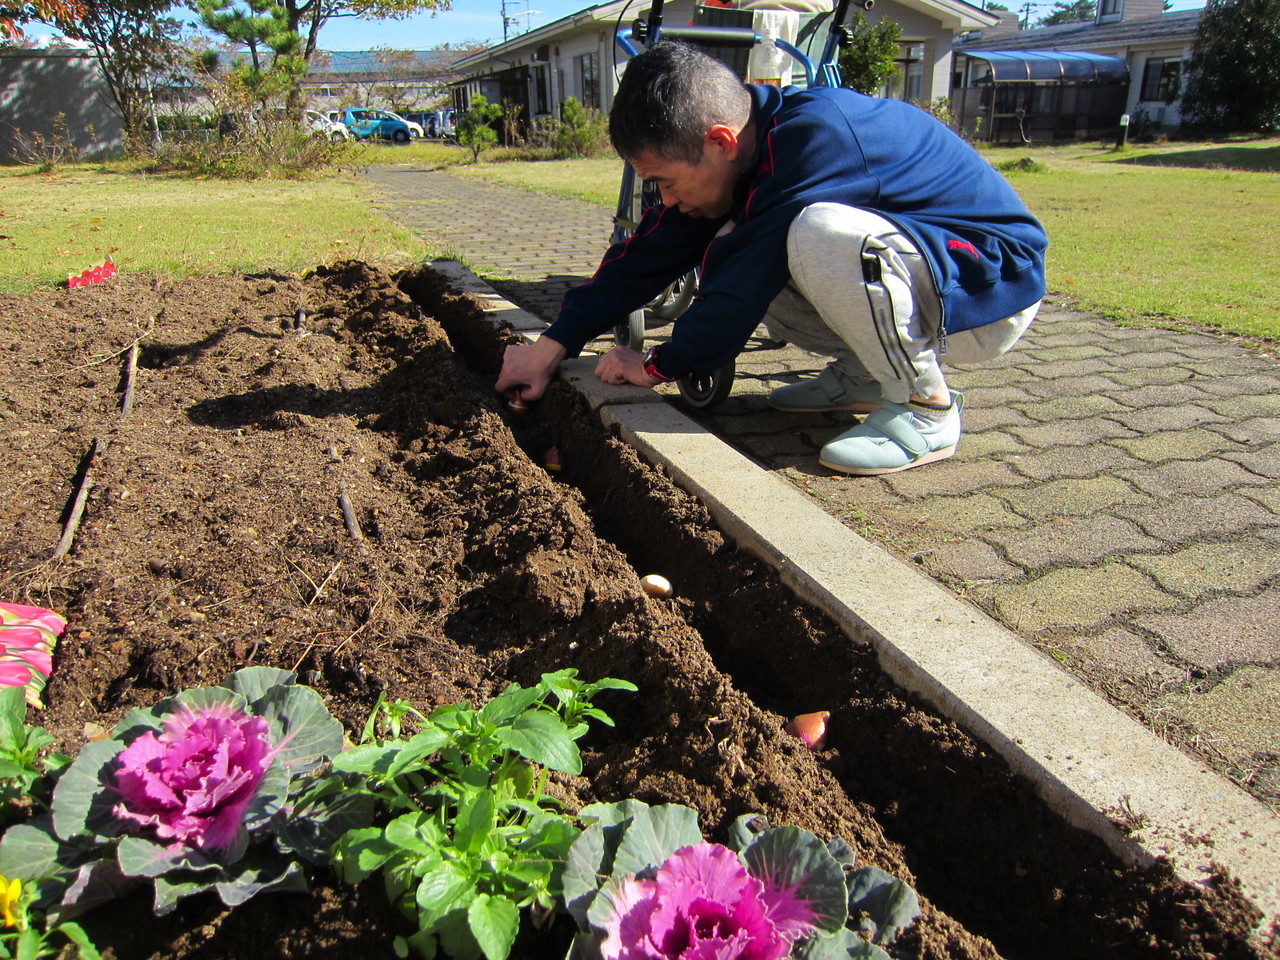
(94, 275)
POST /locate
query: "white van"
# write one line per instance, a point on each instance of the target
(317, 122)
(442, 124)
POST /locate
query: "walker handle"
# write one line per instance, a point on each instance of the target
(713, 36)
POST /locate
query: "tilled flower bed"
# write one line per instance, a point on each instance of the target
(315, 474)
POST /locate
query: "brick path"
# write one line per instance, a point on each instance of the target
(1113, 501)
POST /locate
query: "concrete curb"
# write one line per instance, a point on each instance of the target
(1091, 763)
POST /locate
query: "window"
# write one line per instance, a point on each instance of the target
(540, 90)
(913, 81)
(1160, 79)
(588, 81)
(1109, 8)
(909, 83)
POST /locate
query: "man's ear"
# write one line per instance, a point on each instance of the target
(724, 138)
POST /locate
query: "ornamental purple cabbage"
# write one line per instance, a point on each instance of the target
(702, 905)
(194, 781)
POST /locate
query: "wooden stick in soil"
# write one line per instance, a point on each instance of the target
(348, 513)
(77, 507)
(130, 375)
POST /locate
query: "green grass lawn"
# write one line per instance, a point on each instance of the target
(1172, 233)
(431, 154)
(60, 223)
(593, 180)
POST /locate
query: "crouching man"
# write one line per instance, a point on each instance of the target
(857, 228)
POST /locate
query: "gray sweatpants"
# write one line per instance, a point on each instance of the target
(862, 293)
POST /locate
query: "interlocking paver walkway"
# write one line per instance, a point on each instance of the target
(1114, 500)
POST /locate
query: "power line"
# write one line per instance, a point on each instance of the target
(510, 20)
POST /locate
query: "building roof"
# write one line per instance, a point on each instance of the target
(610, 11)
(1165, 28)
(375, 61)
(952, 14)
(956, 14)
(1011, 66)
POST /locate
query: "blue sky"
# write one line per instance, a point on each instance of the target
(468, 20)
(482, 20)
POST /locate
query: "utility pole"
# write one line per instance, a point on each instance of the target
(509, 20)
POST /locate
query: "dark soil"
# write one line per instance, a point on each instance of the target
(213, 539)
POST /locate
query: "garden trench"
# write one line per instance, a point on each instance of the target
(214, 537)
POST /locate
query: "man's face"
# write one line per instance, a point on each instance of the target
(699, 189)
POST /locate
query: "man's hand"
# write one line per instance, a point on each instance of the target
(623, 365)
(528, 368)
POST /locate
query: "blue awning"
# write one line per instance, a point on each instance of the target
(1009, 66)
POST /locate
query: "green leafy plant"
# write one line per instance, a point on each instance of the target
(475, 126)
(213, 789)
(27, 767)
(939, 108)
(644, 885)
(24, 934)
(470, 836)
(582, 131)
(869, 60)
(387, 718)
(1022, 165)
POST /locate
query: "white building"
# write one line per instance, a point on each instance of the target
(577, 56)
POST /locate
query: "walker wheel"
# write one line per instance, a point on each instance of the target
(704, 390)
(631, 333)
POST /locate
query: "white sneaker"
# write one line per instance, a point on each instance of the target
(827, 391)
(892, 439)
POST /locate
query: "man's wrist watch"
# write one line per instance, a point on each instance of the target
(651, 366)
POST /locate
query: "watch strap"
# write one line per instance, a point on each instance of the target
(651, 366)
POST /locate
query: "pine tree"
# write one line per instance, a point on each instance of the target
(1070, 11)
(276, 64)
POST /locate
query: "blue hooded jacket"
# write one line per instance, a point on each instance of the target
(986, 252)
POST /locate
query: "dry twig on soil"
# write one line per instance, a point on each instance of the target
(130, 376)
(348, 513)
(82, 496)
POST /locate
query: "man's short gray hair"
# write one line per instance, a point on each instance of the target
(669, 97)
